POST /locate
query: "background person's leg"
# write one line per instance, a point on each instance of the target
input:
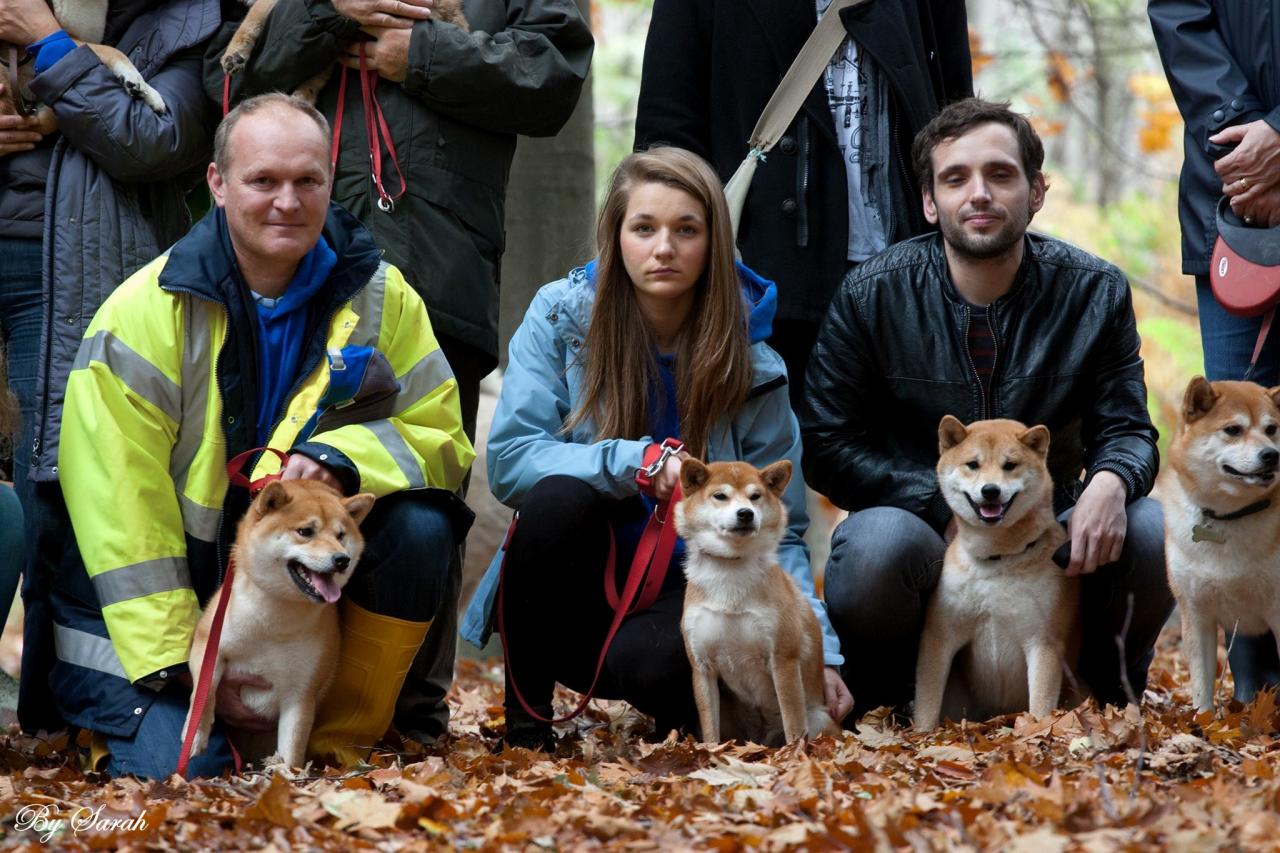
(1228, 343)
(421, 710)
(884, 564)
(1104, 602)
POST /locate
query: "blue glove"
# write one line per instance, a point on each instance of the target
(50, 49)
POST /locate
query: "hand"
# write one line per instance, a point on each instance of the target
(665, 483)
(397, 14)
(1254, 165)
(232, 711)
(1097, 525)
(387, 54)
(24, 22)
(18, 133)
(304, 468)
(1259, 206)
(839, 699)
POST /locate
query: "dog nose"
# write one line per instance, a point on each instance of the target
(746, 514)
(341, 561)
(1269, 457)
(990, 492)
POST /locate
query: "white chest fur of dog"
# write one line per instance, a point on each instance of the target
(753, 641)
(1222, 520)
(997, 627)
(295, 549)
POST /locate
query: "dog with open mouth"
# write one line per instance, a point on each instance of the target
(1222, 520)
(295, 550)
(1001, 623)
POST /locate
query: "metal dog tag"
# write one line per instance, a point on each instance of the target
(1207, 533)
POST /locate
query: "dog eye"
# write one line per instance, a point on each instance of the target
(1271, 429)
(755, 497)
(720, 496)
(1009, 466)
(972, 464)
(306, 532)
(1233, 430)
(340, 534)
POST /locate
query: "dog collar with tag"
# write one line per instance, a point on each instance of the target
(1033, 543)
(1205, 531)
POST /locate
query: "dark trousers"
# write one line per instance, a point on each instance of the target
(885, 563)
(556, 614)
(421, 710)
(1228, 343)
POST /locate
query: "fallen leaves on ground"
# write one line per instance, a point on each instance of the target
(1085, 779)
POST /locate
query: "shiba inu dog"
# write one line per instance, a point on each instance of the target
(746, 627)
(86, 22)
(240, 48)
(1002, 610)
(1222, 520)
(295, 550)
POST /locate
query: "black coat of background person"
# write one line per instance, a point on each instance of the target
(711, 66)
(1222, 58)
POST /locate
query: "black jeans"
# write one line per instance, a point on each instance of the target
(885, 563)
(556, 614)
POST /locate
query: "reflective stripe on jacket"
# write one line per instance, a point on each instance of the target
(144, 442)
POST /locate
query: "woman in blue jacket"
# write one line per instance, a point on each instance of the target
(661, 336)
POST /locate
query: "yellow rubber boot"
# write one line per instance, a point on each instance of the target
(375, 655)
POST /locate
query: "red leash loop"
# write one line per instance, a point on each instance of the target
(376, 130)
(201, 696)
(648, 569)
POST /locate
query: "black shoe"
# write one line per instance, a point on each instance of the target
(526, 732)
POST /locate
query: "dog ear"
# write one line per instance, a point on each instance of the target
(1198, 400)
(950, 433)
(270, 499)
(1037, 438)
(776, 476)
(359, 505)
(1274, 394)
(693, 476)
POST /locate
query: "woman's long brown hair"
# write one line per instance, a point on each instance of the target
(712, 356)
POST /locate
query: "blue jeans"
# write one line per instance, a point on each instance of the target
(1228, 343)
(21, 321)
(885, 563)
(402, 573)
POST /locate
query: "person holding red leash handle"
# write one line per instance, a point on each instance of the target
(660, 338)
(274, 324)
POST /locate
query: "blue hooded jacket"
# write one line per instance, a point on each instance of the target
(543, 385)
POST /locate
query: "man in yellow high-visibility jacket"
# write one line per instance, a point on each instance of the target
(272, 323)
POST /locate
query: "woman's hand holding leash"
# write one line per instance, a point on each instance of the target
(665, 483)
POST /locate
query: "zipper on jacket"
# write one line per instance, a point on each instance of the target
(802, 189)
(990, 395)
(982, 396)
(906, 185)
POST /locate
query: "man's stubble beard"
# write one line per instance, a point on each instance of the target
(985, 248)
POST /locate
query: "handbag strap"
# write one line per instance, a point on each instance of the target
(786, 101)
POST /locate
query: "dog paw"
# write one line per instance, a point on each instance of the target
(233, 62)
(138, 88)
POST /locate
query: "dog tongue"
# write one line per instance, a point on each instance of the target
(990, 510)
(325, 585)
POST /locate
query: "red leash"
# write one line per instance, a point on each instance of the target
(201, 696)
(376, 129)
(648, 569)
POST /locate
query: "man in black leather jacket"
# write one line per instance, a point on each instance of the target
(982, 321)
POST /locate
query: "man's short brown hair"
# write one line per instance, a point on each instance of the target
(222, 136)
(959, 118)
